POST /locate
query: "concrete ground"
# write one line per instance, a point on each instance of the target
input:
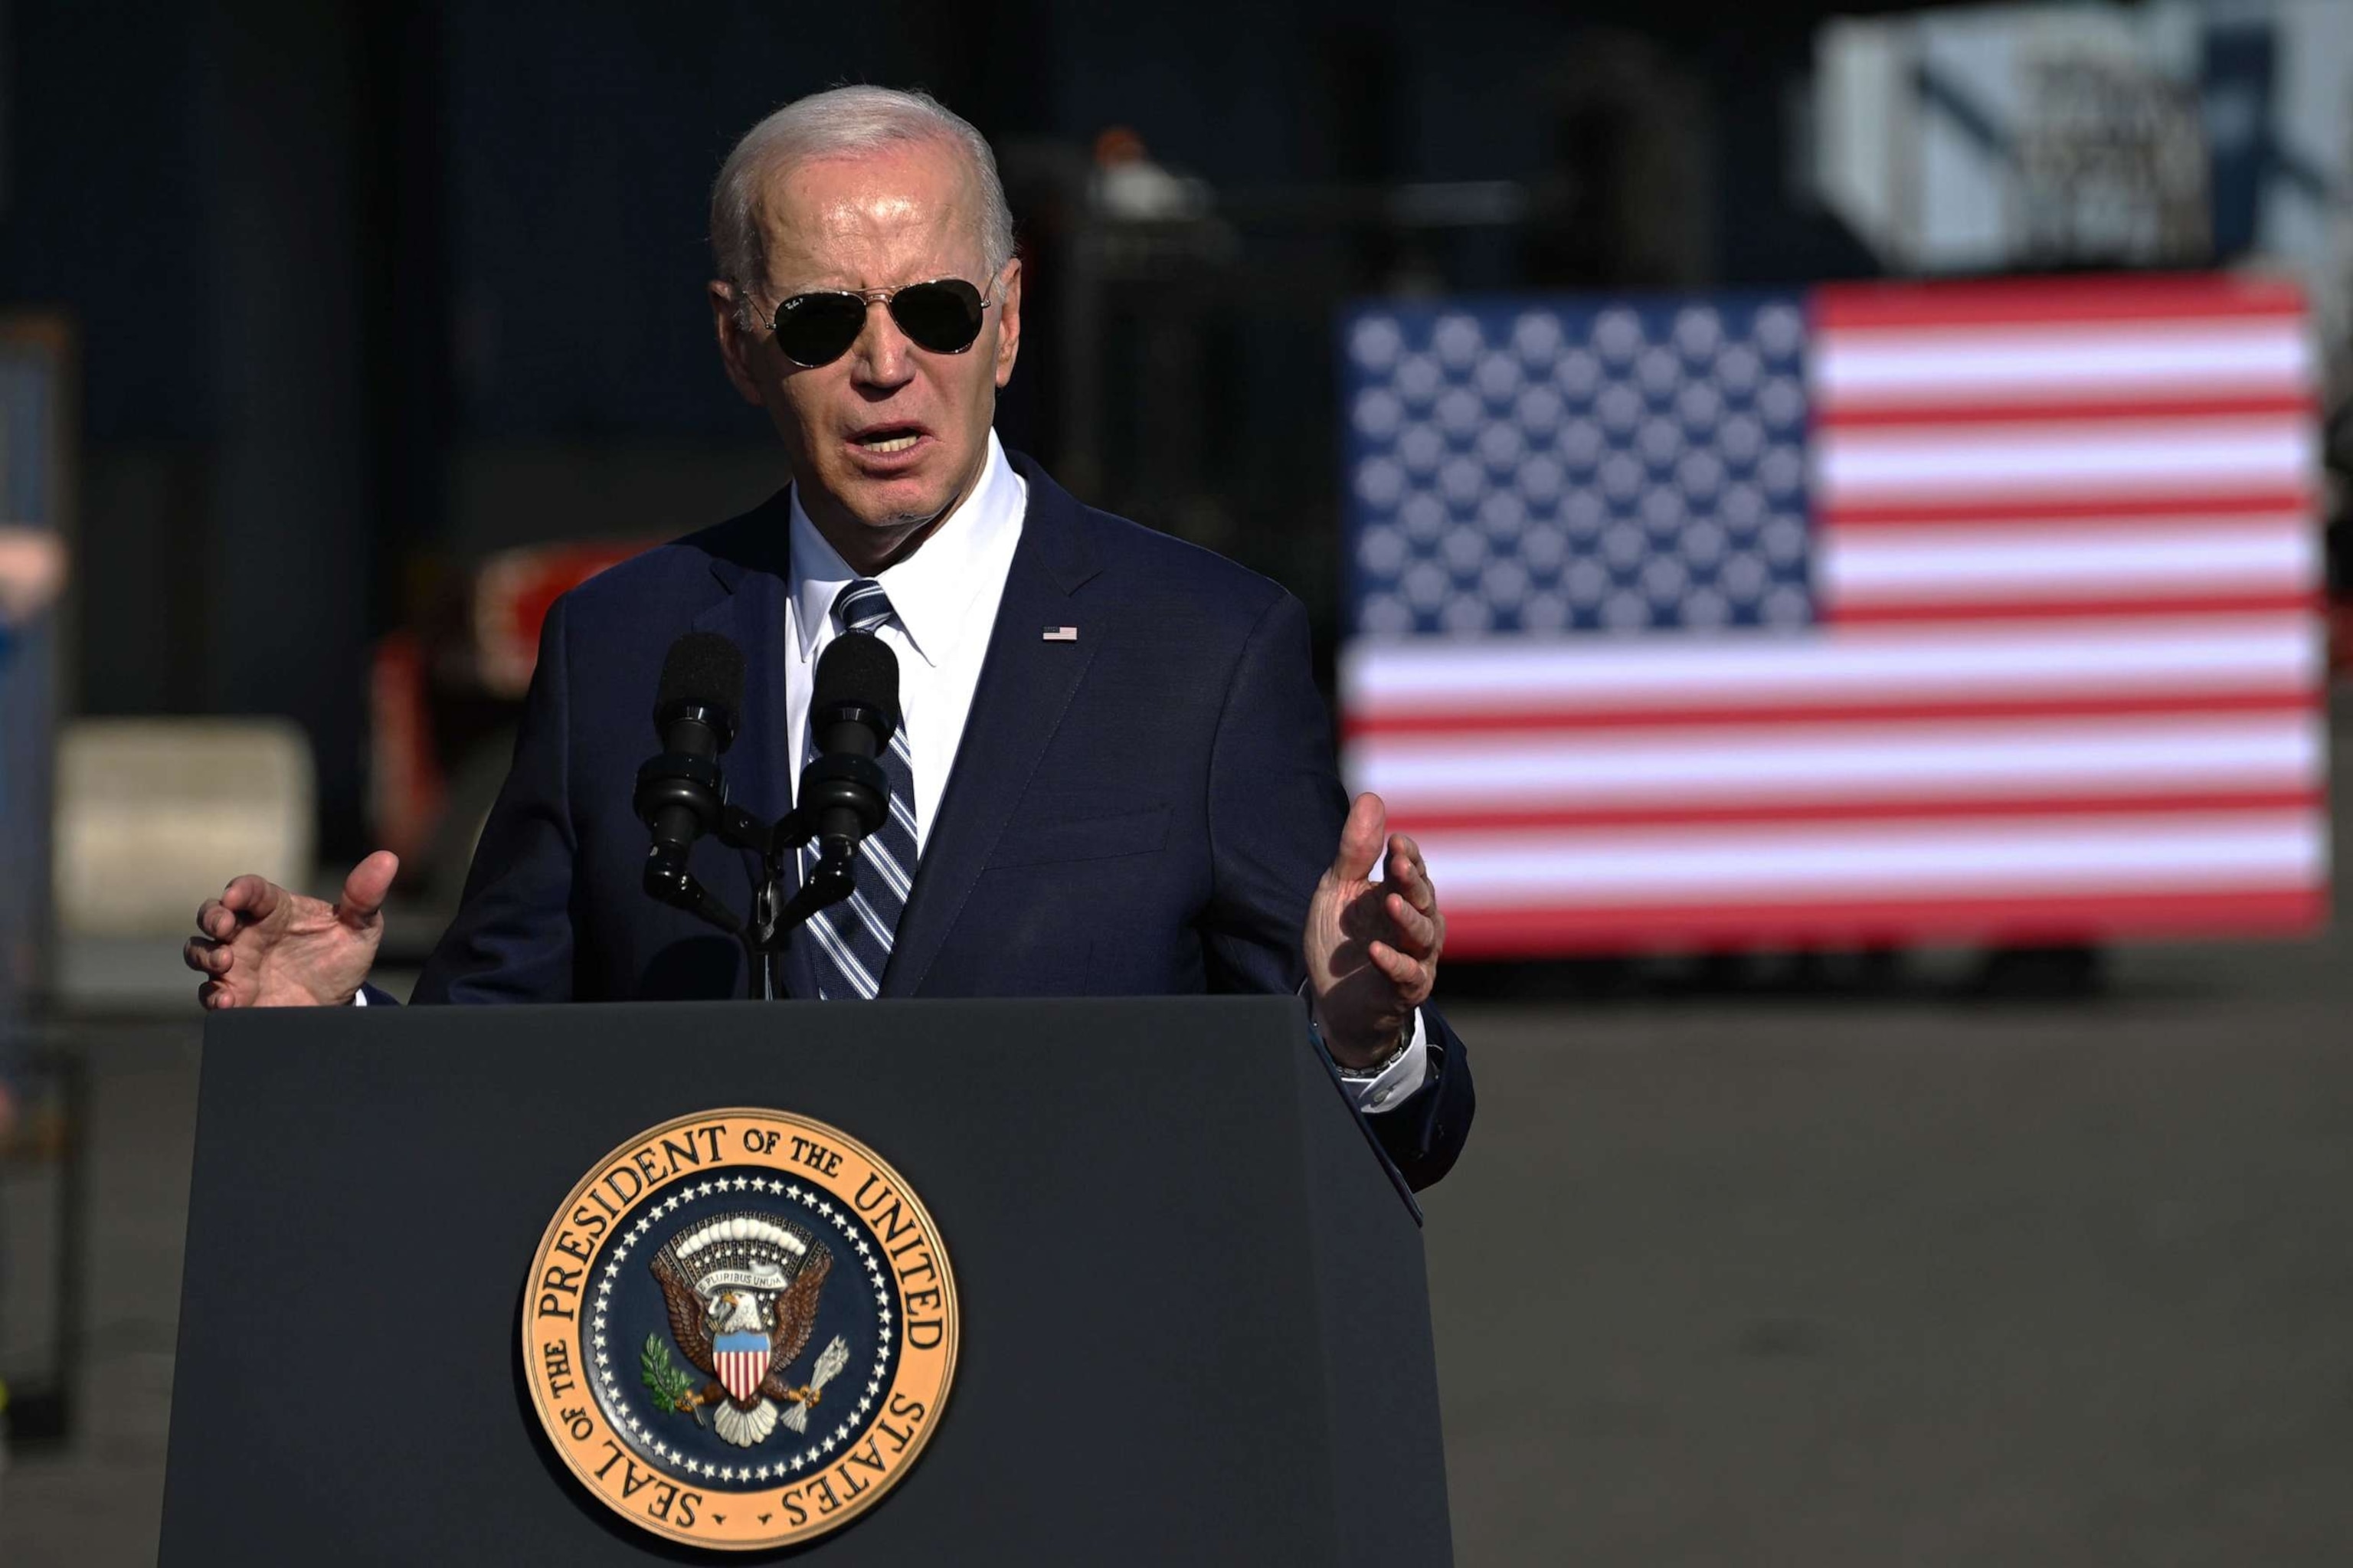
(1906, 1282)
(1753, 1272)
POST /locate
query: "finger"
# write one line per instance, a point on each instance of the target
(215, 995)
(1415, 932)
(215, 920)
(1406, 972)
(365, 887)
(1410, 875)
(206, 957)
(1361, 837)
(251, 897)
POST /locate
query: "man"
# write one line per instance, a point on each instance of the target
(32, 576)
(1114, 775)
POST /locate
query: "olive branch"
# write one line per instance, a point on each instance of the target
(664, 1379)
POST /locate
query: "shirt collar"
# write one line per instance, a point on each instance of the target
(931, 589)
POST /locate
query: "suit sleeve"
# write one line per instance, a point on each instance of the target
(513, 938)
(1275, 809)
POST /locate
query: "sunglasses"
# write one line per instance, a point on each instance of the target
(943, 315)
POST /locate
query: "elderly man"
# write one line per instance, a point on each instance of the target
(1115, 775)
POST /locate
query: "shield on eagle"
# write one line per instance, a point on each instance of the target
(741, 1361)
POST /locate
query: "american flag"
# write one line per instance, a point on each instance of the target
(1876, 614)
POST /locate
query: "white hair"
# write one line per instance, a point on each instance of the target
(844, 121)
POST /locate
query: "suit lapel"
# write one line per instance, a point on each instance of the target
(754, 569)
(1026, 686)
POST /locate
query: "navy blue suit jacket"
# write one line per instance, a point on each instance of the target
(1143, 811)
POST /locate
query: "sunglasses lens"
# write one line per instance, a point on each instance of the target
(944, 317)
(818, 329)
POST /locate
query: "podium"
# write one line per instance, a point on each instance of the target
(1194, 1323)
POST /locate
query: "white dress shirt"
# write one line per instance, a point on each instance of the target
(944, 599)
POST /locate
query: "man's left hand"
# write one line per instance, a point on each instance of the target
(1371, 946)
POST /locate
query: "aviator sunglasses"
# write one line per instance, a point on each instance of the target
(943, 315)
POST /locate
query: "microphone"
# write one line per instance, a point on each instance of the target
(679, 792)
(853, 713)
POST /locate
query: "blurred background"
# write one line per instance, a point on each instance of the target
(1828, 520)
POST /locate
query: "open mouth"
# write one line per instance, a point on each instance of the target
(883, 440)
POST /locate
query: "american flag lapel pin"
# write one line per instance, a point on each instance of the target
(1061, 634)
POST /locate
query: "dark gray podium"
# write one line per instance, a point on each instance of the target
(1195, 1325)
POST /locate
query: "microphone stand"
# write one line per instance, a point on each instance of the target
(775, 918)
(829, 781)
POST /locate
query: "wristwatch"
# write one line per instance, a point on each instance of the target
(1366, 1074)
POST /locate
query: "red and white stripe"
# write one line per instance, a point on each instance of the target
(2066, 686)
(741, 1371)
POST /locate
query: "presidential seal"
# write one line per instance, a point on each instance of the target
(740, 1329)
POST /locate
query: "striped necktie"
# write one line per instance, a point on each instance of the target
(853, 937)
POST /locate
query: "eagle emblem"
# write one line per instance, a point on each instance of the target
(742, 1289)
(704, 1285)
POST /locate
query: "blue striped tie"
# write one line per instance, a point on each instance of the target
(853, 937)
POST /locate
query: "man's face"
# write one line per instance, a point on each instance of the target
(880, 220)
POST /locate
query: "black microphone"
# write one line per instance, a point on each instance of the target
(853, 713)
(679, 792)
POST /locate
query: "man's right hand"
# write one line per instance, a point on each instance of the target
(265, 946)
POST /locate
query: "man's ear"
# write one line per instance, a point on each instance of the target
(1008, 321)
(736, 346)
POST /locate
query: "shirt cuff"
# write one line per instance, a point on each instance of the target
(1398, 1082)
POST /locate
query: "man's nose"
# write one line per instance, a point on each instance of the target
(882, 357)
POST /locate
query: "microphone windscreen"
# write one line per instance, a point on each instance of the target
(703, 670)
(857, 667)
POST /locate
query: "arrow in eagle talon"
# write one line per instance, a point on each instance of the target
(836, 1357)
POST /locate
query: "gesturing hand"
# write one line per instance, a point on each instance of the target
(1371, 946)
(266, 947)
